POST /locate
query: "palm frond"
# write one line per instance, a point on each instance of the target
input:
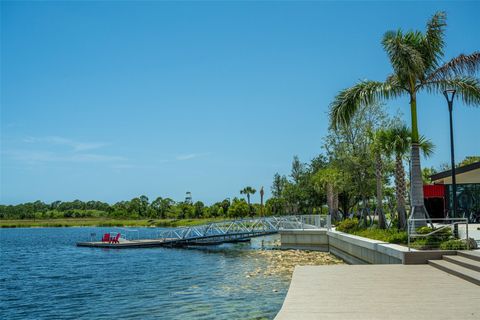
(467, 87)
(401, 50)
(363, 94)
(399, 138)
(432, 46)
(426, 146)
(461, 65)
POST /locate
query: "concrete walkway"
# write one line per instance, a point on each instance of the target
(379, 292)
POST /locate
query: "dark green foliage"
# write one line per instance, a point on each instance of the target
(348, 225)
(453, 245)
(438, 236)
(441, 238)
(398, 237)
(137, 208)
(238, 209)
(386, 235)
(424, 230)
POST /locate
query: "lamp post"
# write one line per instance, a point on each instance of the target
(449, 94)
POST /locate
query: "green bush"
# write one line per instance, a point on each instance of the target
(398, 237)
(421, 244)
(348, 225)
(453, 245)
(424, 230)
(444, 233)
(385, 235)
(435, 240)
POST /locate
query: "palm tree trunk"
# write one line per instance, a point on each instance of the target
(331, 201)
(378, 176)
(400, 191)
(418, 207)
(335, 206)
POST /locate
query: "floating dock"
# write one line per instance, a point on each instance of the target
(125, 244)
(177, 242)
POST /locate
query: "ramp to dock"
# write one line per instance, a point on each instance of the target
(379, 292)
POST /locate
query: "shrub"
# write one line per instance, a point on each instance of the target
(385, 235)
(424, 230)
(348, 225)
(398, 237)
(442, 233)
(420, 244)
(453, 245)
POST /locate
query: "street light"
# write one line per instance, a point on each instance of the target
(449, 94)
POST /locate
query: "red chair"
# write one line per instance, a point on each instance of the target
(106, 237)
(115, 240)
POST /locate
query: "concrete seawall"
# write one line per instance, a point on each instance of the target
(357, 250)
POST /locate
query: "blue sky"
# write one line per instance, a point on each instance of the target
(111, 100)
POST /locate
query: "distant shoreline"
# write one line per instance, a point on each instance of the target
(99, 222)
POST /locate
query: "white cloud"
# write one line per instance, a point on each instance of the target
(45, 156)
(44, 151)
(77, 146)
(191, 156)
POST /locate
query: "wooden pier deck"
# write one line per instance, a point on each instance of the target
(380, 292)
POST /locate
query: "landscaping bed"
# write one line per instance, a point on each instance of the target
(442, 239)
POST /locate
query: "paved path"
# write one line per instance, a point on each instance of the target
(379, 292)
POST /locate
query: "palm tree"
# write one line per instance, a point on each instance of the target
(416, 59)
(329, 180)
(248, 191)
(397, 141)
(378, 147)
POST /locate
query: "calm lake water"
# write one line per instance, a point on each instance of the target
(45, 276)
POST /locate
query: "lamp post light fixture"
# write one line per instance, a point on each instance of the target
(449, 95)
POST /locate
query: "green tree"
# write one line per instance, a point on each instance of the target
(416, 61)
(330, 180)
(248, 191)
(426, 173)
(298, 170)
(199, 209)
(238, 209)
(469, 160)
(378, 148)
(397, 142)
(278, 185)
(275, 206)
(349, 150)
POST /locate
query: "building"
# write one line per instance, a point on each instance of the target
(438, 196)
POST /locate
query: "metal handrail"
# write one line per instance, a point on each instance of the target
(125, 235)
(249, 225)
(449, 223)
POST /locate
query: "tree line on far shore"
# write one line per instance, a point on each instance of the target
(137, 208)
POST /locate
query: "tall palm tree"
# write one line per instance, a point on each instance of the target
(397, 141)
(416, 59)
(248, 191)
